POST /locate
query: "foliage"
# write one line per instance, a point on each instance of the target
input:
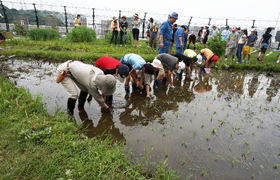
(81, 34)
(217, 45)
(44, 34)
(129, 38)
(35, 145)
(20, 29)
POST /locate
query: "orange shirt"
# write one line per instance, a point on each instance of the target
(207, 53)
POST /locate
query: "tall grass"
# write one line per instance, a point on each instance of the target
(81, 34)
(43, 34)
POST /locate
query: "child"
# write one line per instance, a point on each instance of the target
(232, 42)
(252, 39)
(264, 43)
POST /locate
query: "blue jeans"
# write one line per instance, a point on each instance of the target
(239, 52)
(179, 50)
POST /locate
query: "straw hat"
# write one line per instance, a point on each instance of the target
(135, 15)
(114, 18)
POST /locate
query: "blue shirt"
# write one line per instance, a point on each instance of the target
(266, 38)
(136, 61)
(179, 33)
(251, 39)
(225, 34)
(207, 33)
(166, 30)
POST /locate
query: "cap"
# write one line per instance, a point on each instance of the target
(151, 20)
(238, 28)
(244, 29)
(215, 58)
(135, 15)
(106, 83)
(227, 27)
(182, 66)
(199, 59)
(156, 63)
(174, 15)
(124, 17)
(253, 29)
(207, 26)
(185, 26)
(123, 71)
(114, 18)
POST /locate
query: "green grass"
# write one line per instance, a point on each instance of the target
(35, 145)
(63, 49)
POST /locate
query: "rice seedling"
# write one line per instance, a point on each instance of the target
(253, 133)
(233, 162)
(203, 172)
(194, 133)
(181, 126)
(275, 166)
(184, 143)
(166, 154)
(208, 137)
(246, 143)
(253, 176)
(202, 125)
(214, 130)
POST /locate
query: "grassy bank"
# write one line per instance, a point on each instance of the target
(61, 50)
(35, 145)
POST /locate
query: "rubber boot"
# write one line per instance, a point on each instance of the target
(134, 87)
(188, 46)
(194, 48)
(201, 68)
(156, 82)
(164, 80)
(127, 90)
(71, 105)
(180, 75)
(82, 100)
(109, 100)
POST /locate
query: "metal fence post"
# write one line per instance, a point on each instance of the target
(144, 25)
(226, 22)
(209, 21)
(253, 23)
(93, 17)
(189, 24)
(37, 20)
(66, 24)
(5, 17)
(120, 15)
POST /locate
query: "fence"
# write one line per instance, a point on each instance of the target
(62, 17)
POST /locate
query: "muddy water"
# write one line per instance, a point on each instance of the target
(222, 126)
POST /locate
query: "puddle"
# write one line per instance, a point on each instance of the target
(222, 126)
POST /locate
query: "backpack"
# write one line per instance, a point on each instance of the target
(154, 28)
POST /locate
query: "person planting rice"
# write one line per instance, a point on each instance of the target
(188, 62)
(89, 79)
(136, 62)
(112, 66)
(194, 58)
(207, 57)
(168, 64)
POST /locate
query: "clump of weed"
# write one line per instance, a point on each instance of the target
(81, 34)
(45, 34)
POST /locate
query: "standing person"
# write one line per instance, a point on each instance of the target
(215, 32)
(114, 27)
(89, 79)
(186, 35)
(199, 34)
(207, 57)
(112, 66)
(232, 43)
(77, 21)
(123, 30)
(179, 39)
(192, 39)
(264, 43)
(165, 33)
(174, 29)
(242, 41)
(135, 30)
(225, 34)
(2, 37)
(135, 62)
(150, 25)
(252, 39)
(154, 37)
(205, 37)
(169, 63)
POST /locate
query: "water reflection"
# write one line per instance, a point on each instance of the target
(273, 89)
(105, 127)
(204, 85)
(253, 85)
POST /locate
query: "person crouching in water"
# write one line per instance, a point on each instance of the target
(89, 79)
(135, 62)
(208, 57)
(112, 66)
(169, 63)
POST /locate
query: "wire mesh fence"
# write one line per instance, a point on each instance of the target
(61, 16)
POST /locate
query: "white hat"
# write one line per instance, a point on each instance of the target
(199, 59)
(253, 29)
(243, 29)
(156, 64)
(182, 66)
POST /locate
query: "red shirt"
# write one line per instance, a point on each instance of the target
(107, 62)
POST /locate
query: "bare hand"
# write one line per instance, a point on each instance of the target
(161, 45)
(181, 45)
(138, 83)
